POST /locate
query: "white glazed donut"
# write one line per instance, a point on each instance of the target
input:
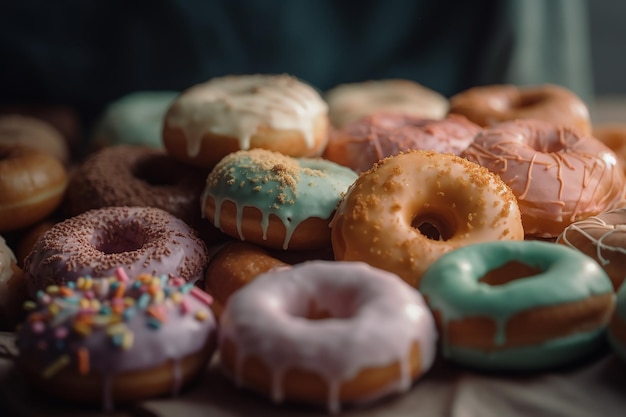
(225, 114)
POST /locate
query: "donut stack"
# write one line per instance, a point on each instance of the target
(485, 229)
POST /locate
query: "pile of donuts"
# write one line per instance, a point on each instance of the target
(323, 248)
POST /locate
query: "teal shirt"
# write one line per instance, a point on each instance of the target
(89, 53)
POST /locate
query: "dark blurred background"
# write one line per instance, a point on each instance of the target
(87, 53)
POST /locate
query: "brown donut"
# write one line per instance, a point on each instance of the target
(140, 176)
(35, 133)
(32, 185)
(492, 104)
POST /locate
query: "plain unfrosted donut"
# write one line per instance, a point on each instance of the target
(35, 133)
(492, 104)
(412, 208)
(327, 333)
(32, 186)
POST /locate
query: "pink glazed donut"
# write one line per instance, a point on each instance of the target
(141, 239)
(325, 332)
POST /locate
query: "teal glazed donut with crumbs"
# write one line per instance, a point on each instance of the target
(274, 200)
(518, 305)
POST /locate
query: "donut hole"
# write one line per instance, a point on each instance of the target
(434, 227)
(529, 100)
(509, 272)
(316, 312)
(157, 171)
(120, 239)
(5, 153)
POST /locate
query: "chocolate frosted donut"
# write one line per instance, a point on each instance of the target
(362, 143)
(95, 243)
(137, 176)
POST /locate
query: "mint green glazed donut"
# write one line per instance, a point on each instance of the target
(135, 119)
(617, 328)
(550, 275)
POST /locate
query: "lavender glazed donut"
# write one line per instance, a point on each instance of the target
(366, 141)
(327, 333)
(116, 340)
(145, 240)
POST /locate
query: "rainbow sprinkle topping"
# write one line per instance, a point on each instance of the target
(88, 305)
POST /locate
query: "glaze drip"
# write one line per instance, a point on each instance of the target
(267, 319)
(291, 189)
(238, 106)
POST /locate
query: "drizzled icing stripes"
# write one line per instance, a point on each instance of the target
(557, 175)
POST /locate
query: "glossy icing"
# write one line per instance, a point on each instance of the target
(350, 102)
(374, 221)
(135, 119)
(292, 189)
(237, 105)
(453, 289)
(366, 141)
(375, 318)
(557, 175)
(115, 324)
(618, 343)
(95, 243)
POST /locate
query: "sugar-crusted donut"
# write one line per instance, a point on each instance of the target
(226, 114)
(349, 102)
(327, 333)
(134, 119)
(492, 104)
(617, 327)
(12, 288)
(32, 185)
(116, 340)
(412, 208)
(34, 133)
(126, 175)
(368, 140)
(613, 136)
(274, 200)
(518, 305)
(558, 175)
(602, 237)
(233, 266)
(95, 243)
